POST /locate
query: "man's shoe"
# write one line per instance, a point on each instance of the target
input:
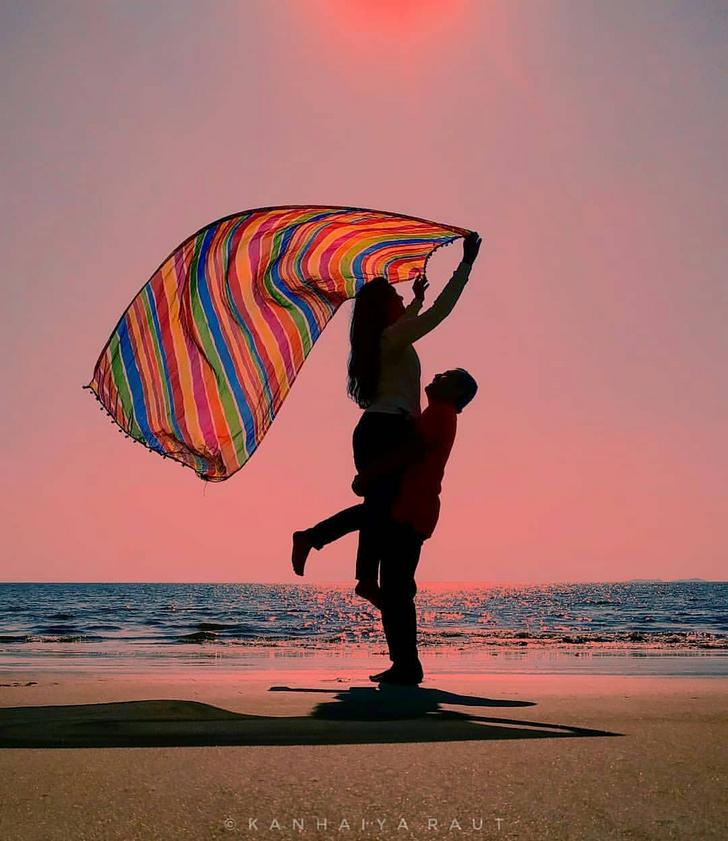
(377, 677)
(398, 676)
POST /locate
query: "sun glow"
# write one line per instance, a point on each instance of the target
(386, 21)
(394, 16)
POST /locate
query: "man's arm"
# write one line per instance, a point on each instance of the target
(410, 452)
(435, 434)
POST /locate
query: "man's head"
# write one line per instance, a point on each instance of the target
(456, 387)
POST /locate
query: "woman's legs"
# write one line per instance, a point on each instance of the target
(327, 531)
(376, 435)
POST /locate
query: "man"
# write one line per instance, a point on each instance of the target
(413, 518)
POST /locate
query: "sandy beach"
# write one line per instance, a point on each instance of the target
(311, 754)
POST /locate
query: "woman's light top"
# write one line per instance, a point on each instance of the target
(202, 359)
(400, 371)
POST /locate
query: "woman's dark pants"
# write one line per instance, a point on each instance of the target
(376, 435)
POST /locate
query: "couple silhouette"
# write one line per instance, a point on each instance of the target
(400, 454)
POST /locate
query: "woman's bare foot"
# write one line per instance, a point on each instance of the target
(368, 589)
(301, 547)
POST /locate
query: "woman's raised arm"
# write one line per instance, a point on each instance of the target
(405, 331)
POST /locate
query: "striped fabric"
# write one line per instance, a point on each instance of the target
(206, 353)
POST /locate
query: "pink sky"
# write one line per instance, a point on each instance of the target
(584, 140)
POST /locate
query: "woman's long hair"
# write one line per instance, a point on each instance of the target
(368, 320)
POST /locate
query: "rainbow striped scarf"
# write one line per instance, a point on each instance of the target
(205, 354)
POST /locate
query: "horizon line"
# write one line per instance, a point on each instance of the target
(426, 582)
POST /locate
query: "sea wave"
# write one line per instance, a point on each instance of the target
(634, 615)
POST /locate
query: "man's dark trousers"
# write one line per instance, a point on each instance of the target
(400, 554)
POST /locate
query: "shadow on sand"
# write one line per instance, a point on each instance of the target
(358, 715)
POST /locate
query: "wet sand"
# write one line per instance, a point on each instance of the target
(274, 754)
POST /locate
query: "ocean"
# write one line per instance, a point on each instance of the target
(648, 627)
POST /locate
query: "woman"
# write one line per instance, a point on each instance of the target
(384, 380)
